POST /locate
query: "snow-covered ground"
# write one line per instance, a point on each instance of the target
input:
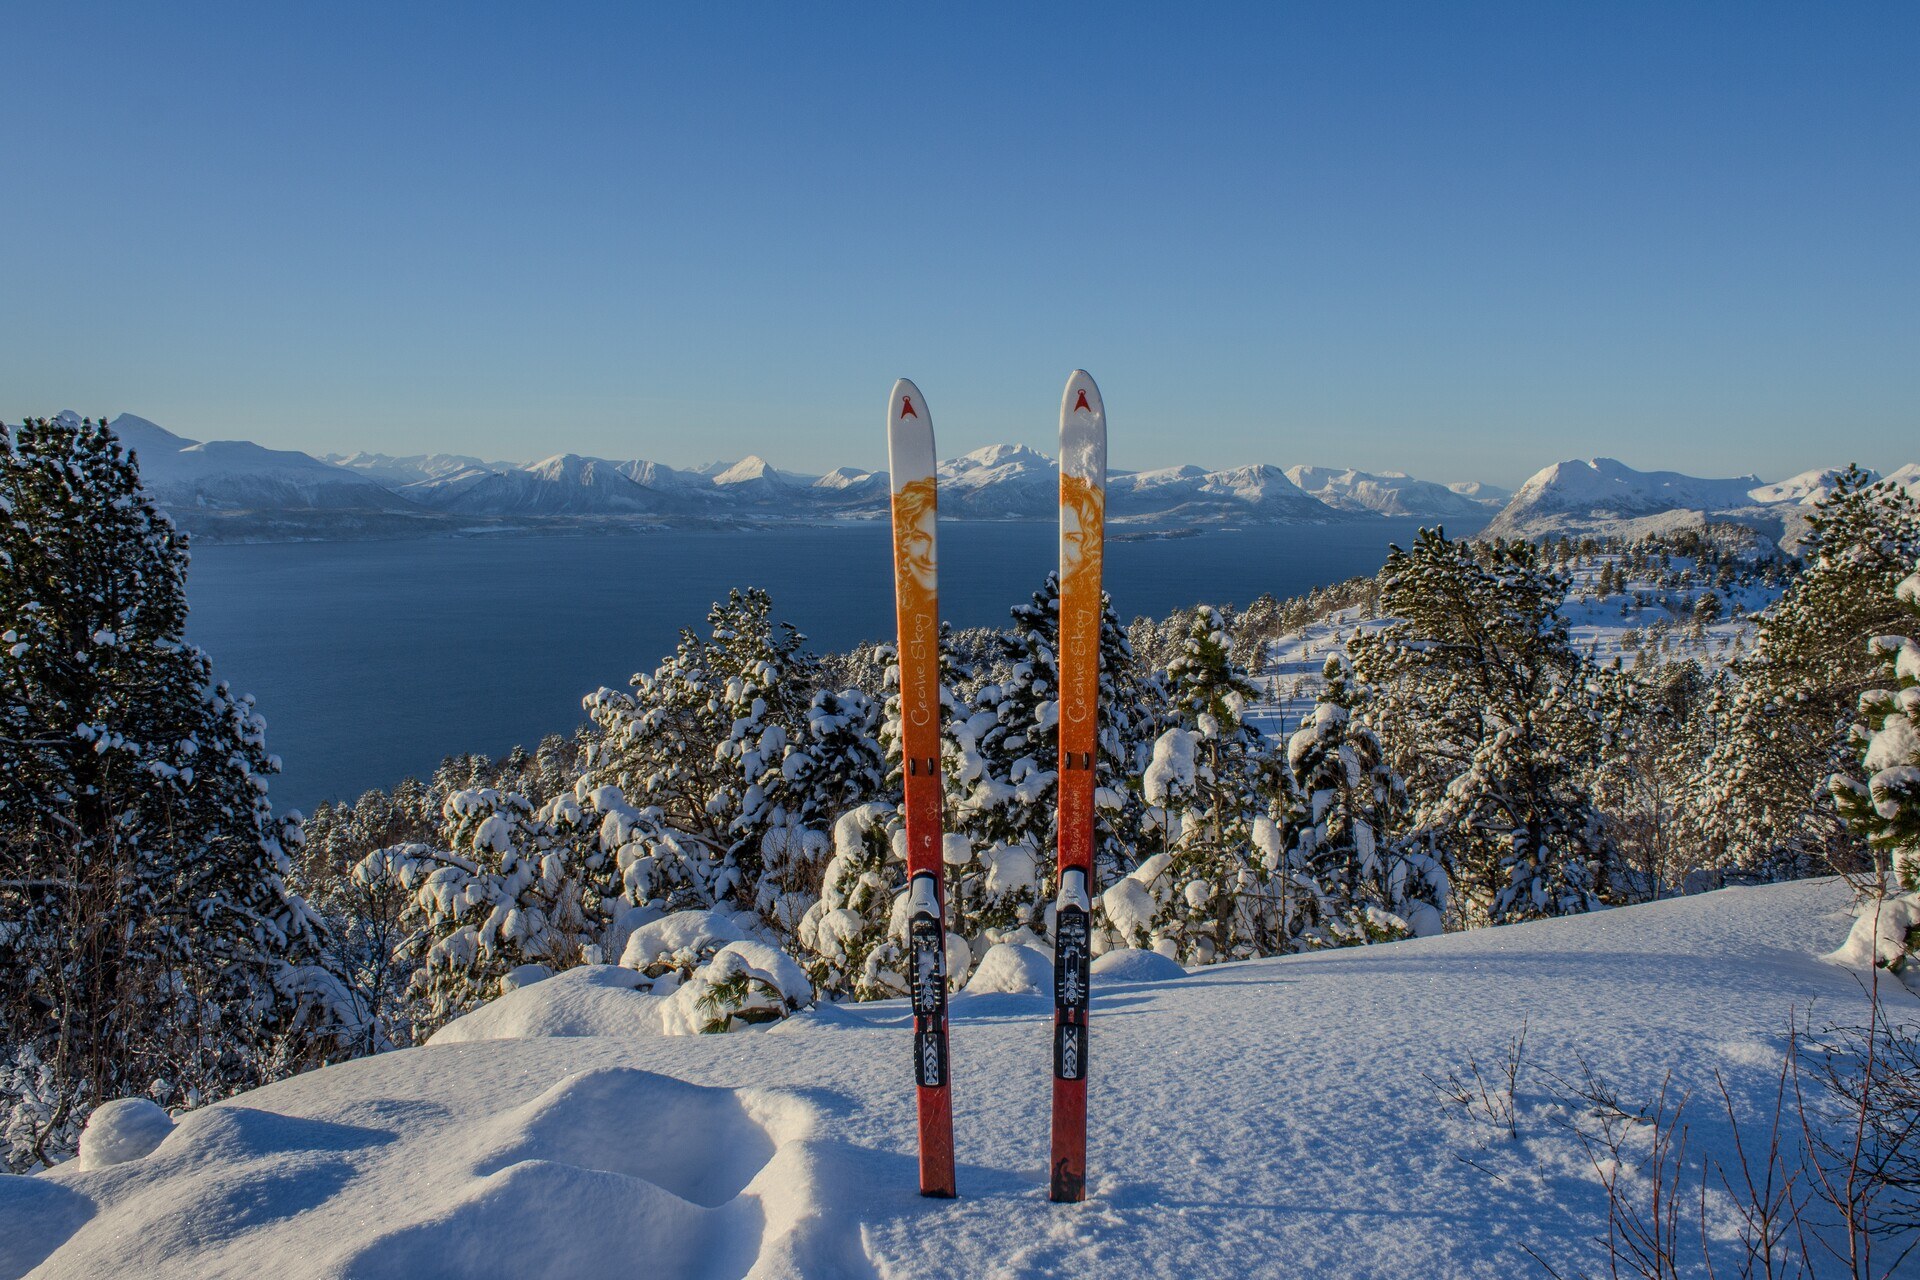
(1264, 1118)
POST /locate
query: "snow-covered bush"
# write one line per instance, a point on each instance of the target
(847, 936)
(746, 983)
(496, 894)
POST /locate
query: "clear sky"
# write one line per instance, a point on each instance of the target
(1460, 240)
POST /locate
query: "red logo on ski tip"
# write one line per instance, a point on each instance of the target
(1081, 403)
(906, 407)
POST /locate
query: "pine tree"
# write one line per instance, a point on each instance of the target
(707, 734)
(152, 944)
(1785, 731)
(1485, 708)
(1008, 744)
(1348, 858)
(1211, 784)
(1880, 798)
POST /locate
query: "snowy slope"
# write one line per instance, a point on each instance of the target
(1269, 1118)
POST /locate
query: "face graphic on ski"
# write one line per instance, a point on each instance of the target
(912, 464)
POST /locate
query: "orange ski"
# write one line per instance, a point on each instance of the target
(911, 462)
(1083, 498)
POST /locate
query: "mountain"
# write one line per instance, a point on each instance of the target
(395, 472)
(1386, 493)
(1487, 495)
(1605, 496)
(281, 493)
(559, 1131)
(1259, 494)
(563, 485)
(754, 479)
(240, 476)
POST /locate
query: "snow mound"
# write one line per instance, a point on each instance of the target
(124, 1129)
(1130, 964)
(1012, 968)
(37, 1216)
(592, 1000)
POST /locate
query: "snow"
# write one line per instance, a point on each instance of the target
(1011, 968)
(679, 936)
(592, 1000)
(121, 1130)
(1265, 1118)
(1879, 933)
(1130, 964)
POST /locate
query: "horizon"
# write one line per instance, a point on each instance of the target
(1445, 242)
(710, 466)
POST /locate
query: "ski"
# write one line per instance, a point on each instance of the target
(1083, 500)
(911, 464)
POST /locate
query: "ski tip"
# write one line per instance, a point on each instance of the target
(907, 404)
(1081, 398)
(1083, 430)
(909, 435)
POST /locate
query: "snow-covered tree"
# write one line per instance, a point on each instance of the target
(1762, 791)
(1486, 709)
(495, 894)
(1007, 796)
(150, 942)
(1880, 797)
(734, 745)
(1210, 785)
(1349, 855)
(847, 938)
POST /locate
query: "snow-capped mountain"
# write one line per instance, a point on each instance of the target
(395, 472)
(1605, 496)
(565, 484)
(1387, 493)
(238, 475)
(1487, 495)
(244, 489)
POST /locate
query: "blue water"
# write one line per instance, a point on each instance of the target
(372, 660)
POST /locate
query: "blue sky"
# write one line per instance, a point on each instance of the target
(1461, 240)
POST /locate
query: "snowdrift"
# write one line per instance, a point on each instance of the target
(1265, 1118)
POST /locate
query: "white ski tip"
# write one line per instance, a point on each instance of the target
(909, 435)
(1083, 430)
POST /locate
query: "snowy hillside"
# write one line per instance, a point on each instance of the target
(1267, 1118)
(1605, 496)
